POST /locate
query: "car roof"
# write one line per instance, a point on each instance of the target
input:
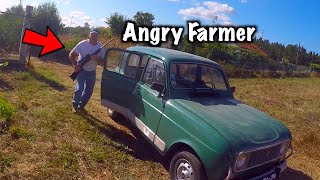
(170, 55)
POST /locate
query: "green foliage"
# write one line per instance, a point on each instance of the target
(315, 67)
(10, 29)
(143, 19)
(78, 31)
(46, 14)
(117, 23)
(6, 110)
(290, 52)
(70, 42)
(244, 59)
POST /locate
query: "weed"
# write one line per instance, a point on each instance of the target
(5, 161)
(18, 132)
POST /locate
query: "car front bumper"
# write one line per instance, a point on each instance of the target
(276, 170)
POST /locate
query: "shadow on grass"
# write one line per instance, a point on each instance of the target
(14, 65)
(293, 174)
(139, 147)
(4, 85)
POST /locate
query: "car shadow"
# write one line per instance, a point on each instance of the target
(16, 66)
(293, 174)
(138, 146)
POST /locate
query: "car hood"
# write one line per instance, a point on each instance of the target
(242, 125)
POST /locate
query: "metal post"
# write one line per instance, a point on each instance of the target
(23, 50)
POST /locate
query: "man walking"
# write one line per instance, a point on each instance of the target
(87, 76)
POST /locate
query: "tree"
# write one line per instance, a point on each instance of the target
(44, 15)
(87, 25)
(117, 23)
(143, 19)
(10, 28)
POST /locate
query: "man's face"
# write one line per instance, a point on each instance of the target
(94, 36)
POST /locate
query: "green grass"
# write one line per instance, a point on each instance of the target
(6, 110)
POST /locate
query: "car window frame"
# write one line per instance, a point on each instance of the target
(123, 51)
(144, 71)
(200, 63)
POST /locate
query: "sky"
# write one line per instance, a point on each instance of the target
(283, 21)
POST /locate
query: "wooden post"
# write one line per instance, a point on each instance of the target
(23, 50)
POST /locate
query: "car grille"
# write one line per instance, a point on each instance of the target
(263, 156)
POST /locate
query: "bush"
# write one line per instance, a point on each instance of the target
(315, 67)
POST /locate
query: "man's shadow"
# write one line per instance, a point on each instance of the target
(16, 66)
(138, 146)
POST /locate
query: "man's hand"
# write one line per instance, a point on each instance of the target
(95, 58)
(76, 68)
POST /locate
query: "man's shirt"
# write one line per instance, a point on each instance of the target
(84, 48)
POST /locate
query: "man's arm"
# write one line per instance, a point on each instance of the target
(72, 57)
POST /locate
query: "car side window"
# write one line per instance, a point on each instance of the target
(129, 65)
(154, 72)
(123, 62)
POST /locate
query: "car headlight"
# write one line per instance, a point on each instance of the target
(241, 161)
(284, 148)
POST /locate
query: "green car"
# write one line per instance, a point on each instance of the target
(184, 106)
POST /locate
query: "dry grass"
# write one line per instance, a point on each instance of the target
(46, 140)
(295, 102)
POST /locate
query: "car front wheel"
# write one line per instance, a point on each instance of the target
(186, 166)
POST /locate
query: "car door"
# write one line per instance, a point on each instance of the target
(119, 79)
(149, 103)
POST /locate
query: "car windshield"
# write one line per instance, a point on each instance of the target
(196, 76)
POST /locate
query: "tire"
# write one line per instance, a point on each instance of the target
(185, 165)
(112, 114)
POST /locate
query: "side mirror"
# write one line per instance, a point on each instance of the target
(233, 89)
(157, 86)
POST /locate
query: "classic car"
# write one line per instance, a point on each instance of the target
(185, 107)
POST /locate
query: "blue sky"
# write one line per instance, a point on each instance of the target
(284, 21)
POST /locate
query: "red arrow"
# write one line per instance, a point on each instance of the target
(49, 42)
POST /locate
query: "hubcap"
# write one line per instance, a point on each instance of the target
(184, 170)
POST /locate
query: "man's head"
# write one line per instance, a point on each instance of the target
(94, 35)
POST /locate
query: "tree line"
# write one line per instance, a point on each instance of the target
(46, 14)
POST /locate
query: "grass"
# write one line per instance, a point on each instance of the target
(47, 141)
(6, 110)
(295, 102)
